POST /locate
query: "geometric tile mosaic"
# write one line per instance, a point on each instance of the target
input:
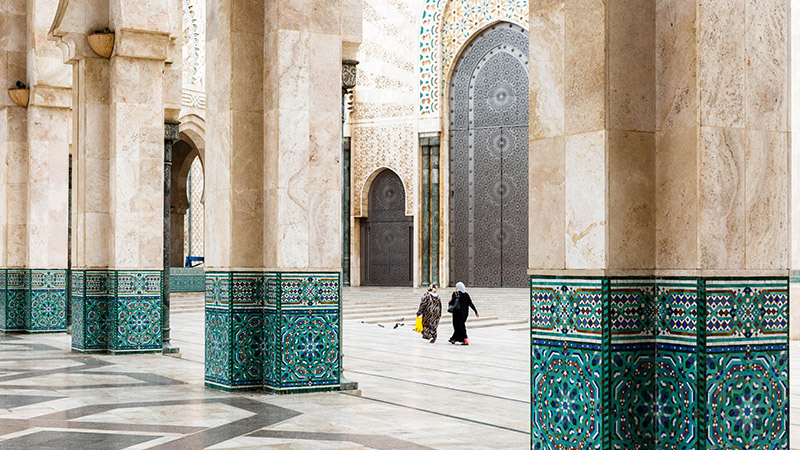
(659, 363)
(33, 300)
(273, 331)
(116, 311)
(46, 301)
(187, 279)
(446, 25)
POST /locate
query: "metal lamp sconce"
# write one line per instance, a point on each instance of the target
(20, 94)
(102, 42)
(349, 74)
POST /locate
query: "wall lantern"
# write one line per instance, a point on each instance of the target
(349, 74)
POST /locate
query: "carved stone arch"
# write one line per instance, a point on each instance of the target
(386, 233)
(192, 132)
(364, 206)
(445, 26)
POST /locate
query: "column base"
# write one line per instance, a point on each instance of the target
(169, 349)
(273, 331)
(659, 362)
(117, 312)
(33, 300)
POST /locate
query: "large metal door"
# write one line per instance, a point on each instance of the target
(386, 234)
(489, 160)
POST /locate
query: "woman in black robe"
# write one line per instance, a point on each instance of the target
(460, 303)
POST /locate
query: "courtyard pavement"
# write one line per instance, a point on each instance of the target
(413, 394)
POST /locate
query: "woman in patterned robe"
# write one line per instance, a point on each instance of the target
(430, 308)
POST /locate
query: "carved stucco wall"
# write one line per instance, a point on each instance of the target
(194, 38)
(385, 146)
(383, 122)
(446, 26)
(193, 95)
(407, 52)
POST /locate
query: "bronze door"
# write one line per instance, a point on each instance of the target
(489, 160)
(386, 235)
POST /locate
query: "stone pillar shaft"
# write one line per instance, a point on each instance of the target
(273, 190)
(659, 275)
(34, 150)
(118, 141)
(426, 211)
(170, 136)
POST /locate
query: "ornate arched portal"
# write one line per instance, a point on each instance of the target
(386, 234)
(488, 144)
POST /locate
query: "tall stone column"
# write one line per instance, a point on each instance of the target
(234, 195)
(48, 171)
(35, 153)
(13, 170)
(302, 150)
(119, 138)
(273, 184)
(722, 180)
(659, 290)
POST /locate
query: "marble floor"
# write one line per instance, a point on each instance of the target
(412, 394)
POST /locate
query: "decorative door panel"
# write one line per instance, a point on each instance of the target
(515, 205)
(459, 204)
(489, 160)
(386, 234)
(485, 210)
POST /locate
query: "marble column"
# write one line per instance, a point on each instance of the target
(13, 170)
(48, 170)
(794, 205)
(234, 193)
(722, 181)
(659, 289)
(274, 185)
(302, 151)
(119, 139)
(35, 153)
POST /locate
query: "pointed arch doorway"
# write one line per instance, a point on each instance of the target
(488, 145)
(386, 234)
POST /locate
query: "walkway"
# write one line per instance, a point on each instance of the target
(413, 394)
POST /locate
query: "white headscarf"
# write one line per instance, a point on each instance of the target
(460, 287)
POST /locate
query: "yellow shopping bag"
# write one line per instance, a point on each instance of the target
(418, 325)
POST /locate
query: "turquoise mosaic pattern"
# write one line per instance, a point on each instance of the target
(46, 302)
(33, 301)
(308, 340)
(747, 390)
(568, 363)
(247, 311)
(234, 330)
(187, 279)
(679, 363)
(116, 311)
(3, 306)
(632, 367)
(134, 323)
(272, 331)
(16, 289)
(278, 331)
(218, 366)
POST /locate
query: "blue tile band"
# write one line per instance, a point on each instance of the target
(33, 300)
(273, 331)
(116, 311)
(651, 363)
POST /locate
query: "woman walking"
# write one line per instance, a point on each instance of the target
(459, 305)
(430, 308)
